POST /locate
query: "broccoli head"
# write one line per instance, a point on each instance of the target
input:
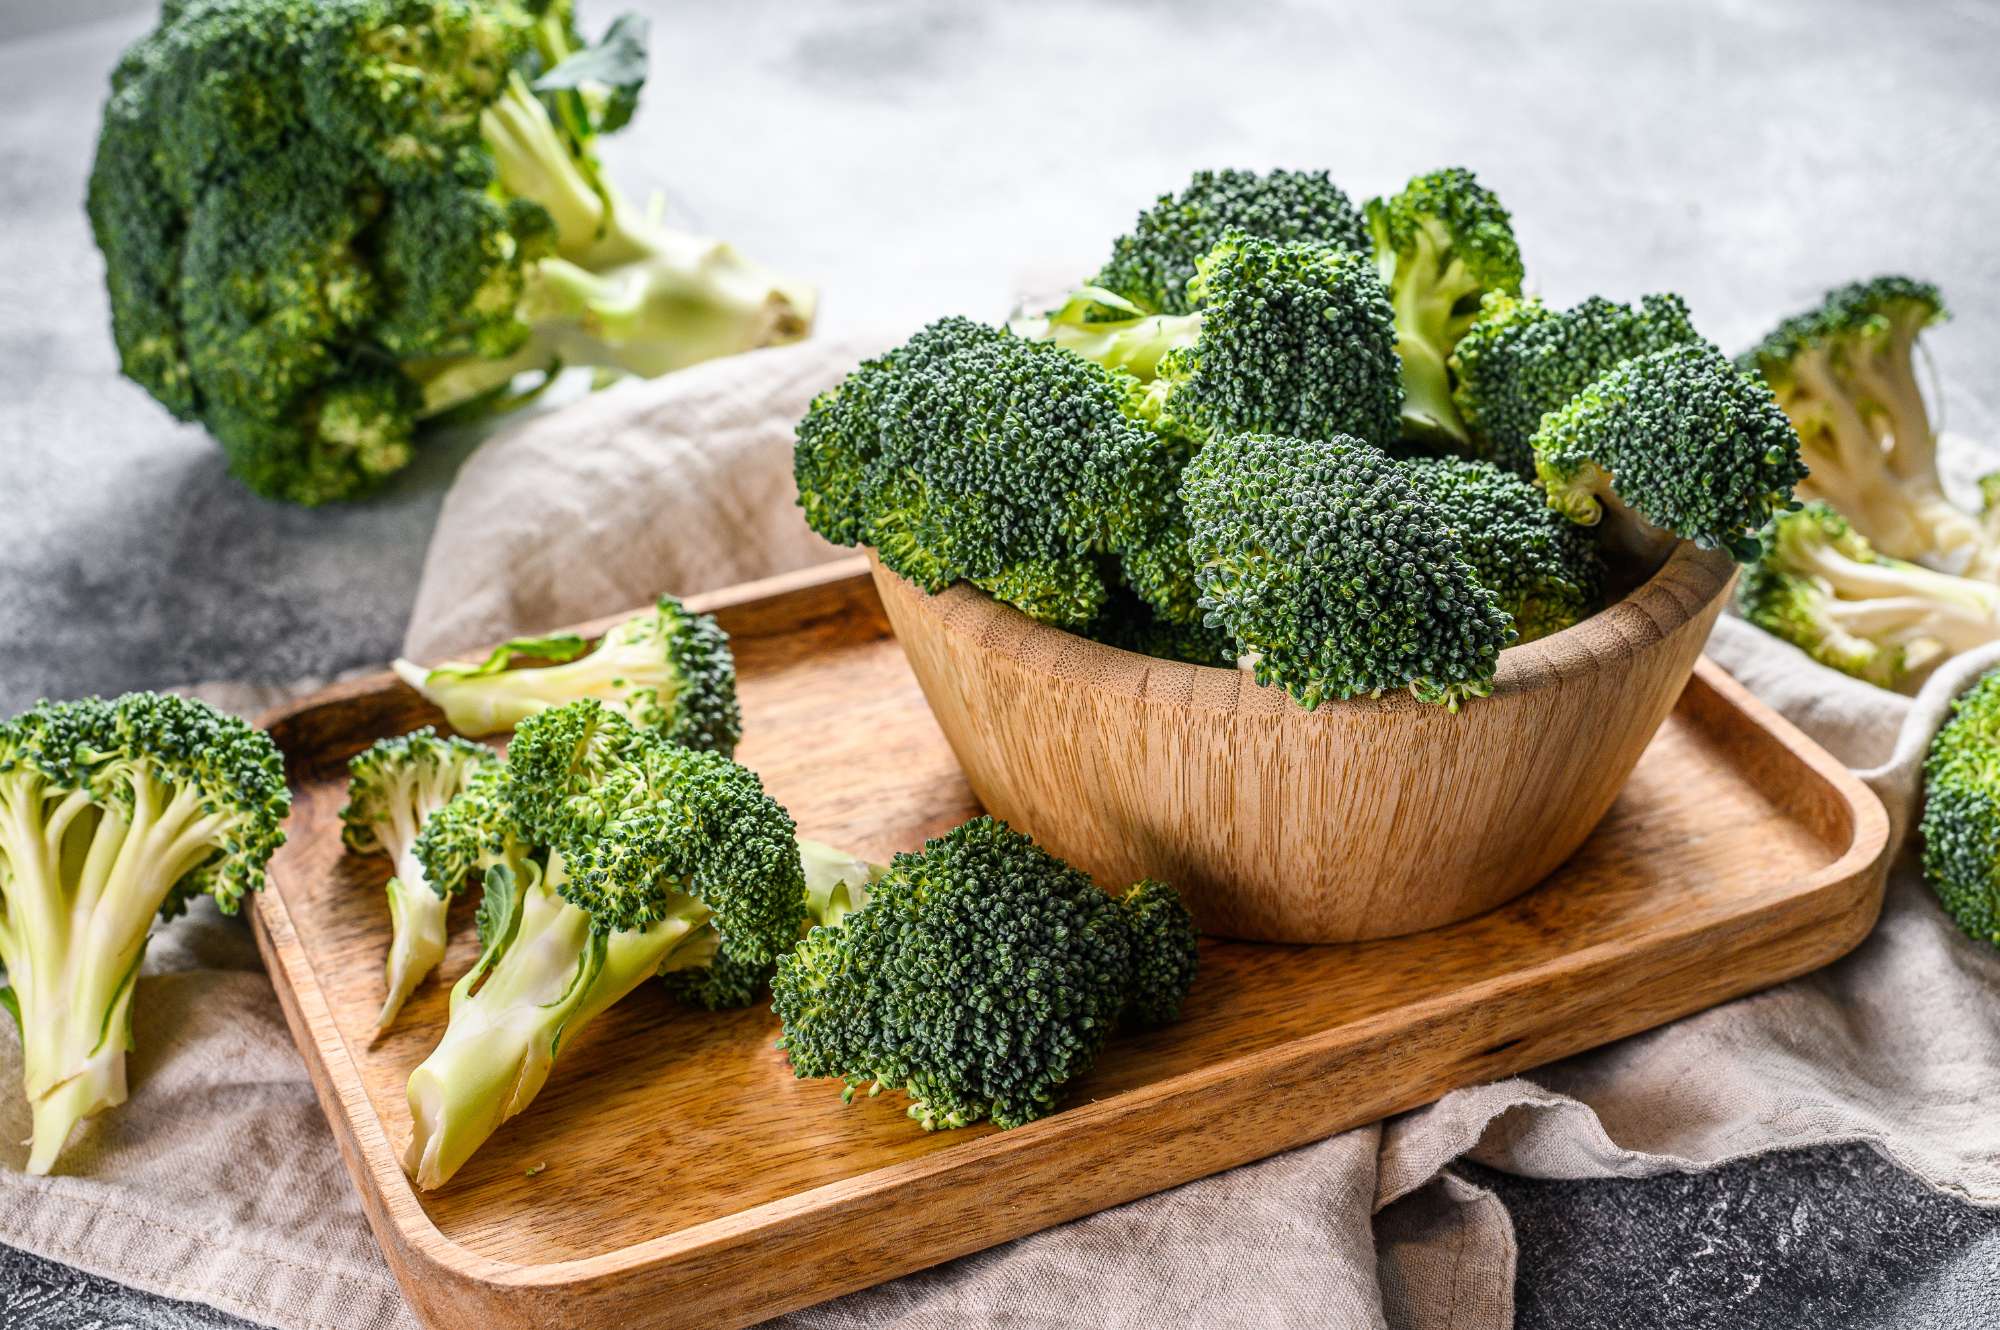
(1546, 572)
(669, 669)
(1441, 245)
(1681, 438)
(983, 975)
(394, 787)
(1960, 828)
(1325, 562)
(970, 454)
(1521, 360)
(608, 856)
(1845, 374)
(1822, 587)
(1152, 265)
(325, 222)
(113, 813)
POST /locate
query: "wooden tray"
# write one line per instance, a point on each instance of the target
(690, 1180)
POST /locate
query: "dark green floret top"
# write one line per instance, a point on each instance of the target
(1878, 308)
(1683, 439)
(1152, 265)
(1960, 828)
(982, 976)
(1325, 561)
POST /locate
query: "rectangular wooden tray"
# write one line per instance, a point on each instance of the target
(690, 1180)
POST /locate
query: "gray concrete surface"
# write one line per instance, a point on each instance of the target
(915, 159)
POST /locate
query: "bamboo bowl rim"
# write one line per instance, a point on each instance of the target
(1687, 580)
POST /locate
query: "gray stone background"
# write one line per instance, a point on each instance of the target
(918, 159)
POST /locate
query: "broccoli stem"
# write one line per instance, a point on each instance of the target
(487, 703)
(511, 1014)
(1134, 345)
(535, 163)
(1426, 293)
(416, 939)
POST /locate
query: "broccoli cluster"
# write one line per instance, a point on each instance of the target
(1960, 828)
(326, 222)
(982, 976)
(1338, 447)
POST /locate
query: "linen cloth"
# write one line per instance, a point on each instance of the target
(219, 1181)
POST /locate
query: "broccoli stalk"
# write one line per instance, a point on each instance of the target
(1824, 589)
(394, 787)
(1845, 373)
(112, 813)
(669, 669)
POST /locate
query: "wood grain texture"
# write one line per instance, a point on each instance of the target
(1366, 818)
(691, 1181)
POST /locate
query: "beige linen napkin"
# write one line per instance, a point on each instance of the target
(219, 1180)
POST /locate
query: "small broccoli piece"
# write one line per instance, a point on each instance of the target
(1960, 828)
(630, 857)
(1681, 438)
(1546, 572)
(1824, 589)
(1442, 245)
(970, 454)
(1845, 374)
(1325, 562)
(983, 975)
(669, 669)
(113, 812)
(1152, 265)
(326, 223)
(393, 788)
(1521, 360)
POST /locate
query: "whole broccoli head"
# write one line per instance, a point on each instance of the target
(1822, 587)
(1680, 437)
(1960, 828)
(1442, 245)
(326, 221)
(1325, 561)
(970, 454)
(1521, 360)
(983, 975)
(1546, 572)
(1845, 374)
(113, 814)
(1152, 265)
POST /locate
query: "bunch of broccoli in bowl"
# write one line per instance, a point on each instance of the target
(328, 223)
(1334, 444)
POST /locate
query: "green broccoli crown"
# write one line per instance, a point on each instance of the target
(1295, 339)
(401, 781)
(698, 709)
(471, 833)
(1152, 265)
(161, 760)
(1521, 360)
(1324, 560)
(1960, 828)
(982, 976)
(1681, 437)
(969, 454)
(1546, 572)
(640, 822)
(1858, 313)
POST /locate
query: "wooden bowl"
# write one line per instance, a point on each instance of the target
(1362, 819)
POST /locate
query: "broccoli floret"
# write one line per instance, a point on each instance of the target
(1824, 589)
(637, 857)
(112, 812)
(1325, 562)
(1546, 572)
(1441, 245)
(669, 669)
(1681, 438)
(1151, 266)
(1521, 360)
(326, 222)
(394, 786)
(970, 454)
(1960, 829)
(1845, 374)
(983, 975)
